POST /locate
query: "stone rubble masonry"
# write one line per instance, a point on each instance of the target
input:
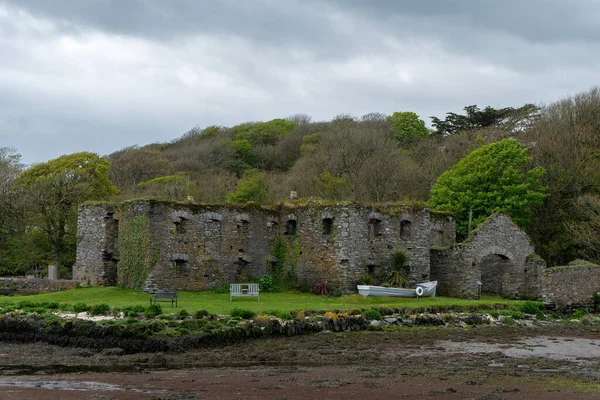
(34, 285)
(498, 254)
(204, 246)
(572, 284)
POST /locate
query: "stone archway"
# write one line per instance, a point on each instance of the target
(495, 265)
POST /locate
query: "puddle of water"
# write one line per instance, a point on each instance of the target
(62, 385)
(567, 349)
(72, 385)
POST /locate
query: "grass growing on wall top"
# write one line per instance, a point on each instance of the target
(218, 303)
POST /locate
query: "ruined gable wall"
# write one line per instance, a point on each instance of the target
(517, 275)
(499, 235)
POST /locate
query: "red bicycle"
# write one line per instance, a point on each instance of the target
(322, 289)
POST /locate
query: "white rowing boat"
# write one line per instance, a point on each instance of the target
(424, 289)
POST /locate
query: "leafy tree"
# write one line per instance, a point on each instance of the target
(172, 187)
(495, 177)
(407, 125)
(511, 118)
(12, 213)
(132, 165)
(264, 132)
(567, 139)
(54, 189)
(251, 187)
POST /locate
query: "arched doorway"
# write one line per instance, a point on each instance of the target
(494, 269)
(495, 264)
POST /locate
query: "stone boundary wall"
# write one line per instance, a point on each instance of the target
(26, 285)
(572, 284)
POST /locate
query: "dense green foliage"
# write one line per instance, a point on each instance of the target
(170, 187)
(476, 118)
(406, 125)
(51, 193)
(252, 187)
(492, 178)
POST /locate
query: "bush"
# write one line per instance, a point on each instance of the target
(201, 314)
(365, 279)
(154, 310)
(373, 315)
(580, 313)
(221, 289)
(183, 314)
(99, 309)
(80, 307)
(133, 311)
(267, 284)
(51, 306)
(244, 314)
(26, 304)
(517, 315)
(531, 307)
(284, 315)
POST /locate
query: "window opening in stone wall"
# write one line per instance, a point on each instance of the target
(327, 226)
(179, 226)
(180, 268)
(243, 227)
(405, 227)
(375, 227)
(291, 227)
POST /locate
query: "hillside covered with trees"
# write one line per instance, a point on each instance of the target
(540, 164)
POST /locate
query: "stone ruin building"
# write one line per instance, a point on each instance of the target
(193, 247)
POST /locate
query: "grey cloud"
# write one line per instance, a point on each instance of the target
(263, 59)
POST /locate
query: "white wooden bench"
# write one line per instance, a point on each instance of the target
(243, 290)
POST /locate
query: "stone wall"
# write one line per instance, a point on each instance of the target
(498, 254)
(571, 285)
(97, 228)
(27, 285)
(203, 246)
(454, 277)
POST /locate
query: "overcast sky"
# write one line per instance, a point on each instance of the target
(99, 75)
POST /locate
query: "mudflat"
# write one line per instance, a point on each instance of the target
(557, 361)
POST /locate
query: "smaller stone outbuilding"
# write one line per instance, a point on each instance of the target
(497, 258)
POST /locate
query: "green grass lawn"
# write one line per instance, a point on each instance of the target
(218, 303)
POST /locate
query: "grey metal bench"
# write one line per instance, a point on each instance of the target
(164, 297)
(244, 290)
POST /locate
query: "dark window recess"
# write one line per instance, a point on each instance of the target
(375, 227)
(243, 227)
(180, 225)
(181, 268)
(327, 226)
(405, 229)
(290, 227)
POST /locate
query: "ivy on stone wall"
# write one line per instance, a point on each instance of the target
(138, 254)
(279, 254)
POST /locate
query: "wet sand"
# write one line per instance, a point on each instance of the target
(481, 363)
